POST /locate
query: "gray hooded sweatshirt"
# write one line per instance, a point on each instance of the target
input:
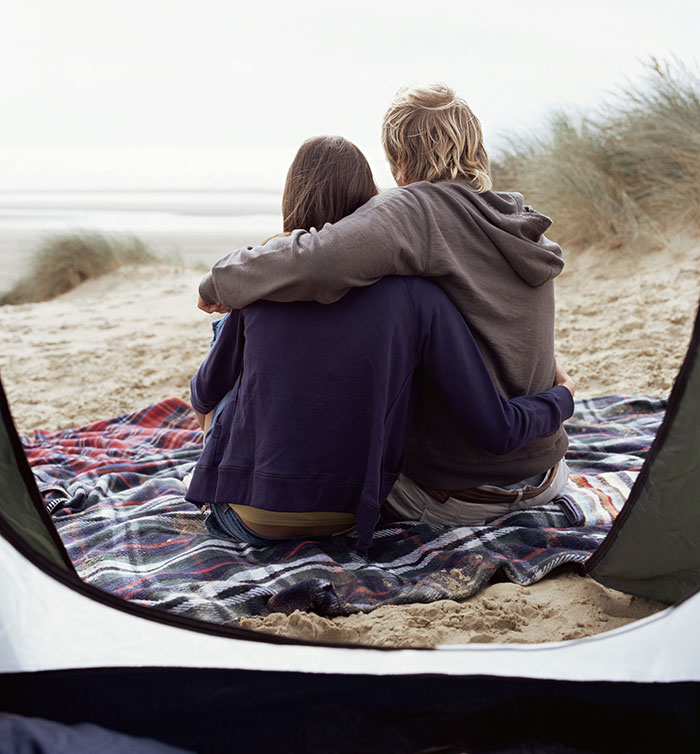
(486, 251)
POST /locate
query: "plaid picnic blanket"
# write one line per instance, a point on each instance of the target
(116, 493)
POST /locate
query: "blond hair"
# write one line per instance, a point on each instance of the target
(430, 134)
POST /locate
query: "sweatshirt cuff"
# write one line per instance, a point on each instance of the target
(207, 290)
(194, 399)
(565, 401)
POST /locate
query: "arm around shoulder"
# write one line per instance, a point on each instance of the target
(386, 236)
(454, 363)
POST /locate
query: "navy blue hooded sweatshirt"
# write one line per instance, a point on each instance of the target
(323, 398)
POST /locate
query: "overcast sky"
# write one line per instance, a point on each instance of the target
(221, 72)
(266, 72)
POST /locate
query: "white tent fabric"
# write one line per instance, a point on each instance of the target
(35, 609)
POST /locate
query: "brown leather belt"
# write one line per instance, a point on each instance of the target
(478, 495)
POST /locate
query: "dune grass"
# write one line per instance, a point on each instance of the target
(624, 175)
(61, 263)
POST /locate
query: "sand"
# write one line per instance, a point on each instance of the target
(118, 343)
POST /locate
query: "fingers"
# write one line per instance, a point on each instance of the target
(561, 377)
(560, 374)
(570, 385)
(204, 305)
(211, 307)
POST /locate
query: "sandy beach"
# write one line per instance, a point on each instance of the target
(120, 342)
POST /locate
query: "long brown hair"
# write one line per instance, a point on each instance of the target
(328, 179)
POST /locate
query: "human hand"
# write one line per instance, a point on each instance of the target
(562, 378)
(201, 419)
(212, 308)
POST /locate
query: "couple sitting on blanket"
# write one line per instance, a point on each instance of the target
(362, 367)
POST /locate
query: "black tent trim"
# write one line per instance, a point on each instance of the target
(249, 710)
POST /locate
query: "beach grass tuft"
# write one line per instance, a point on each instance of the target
(623, 175)
(63, 262)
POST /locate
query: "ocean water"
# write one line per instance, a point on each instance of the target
(195, 204)
(197, 227)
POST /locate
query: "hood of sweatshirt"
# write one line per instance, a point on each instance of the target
(514, 228)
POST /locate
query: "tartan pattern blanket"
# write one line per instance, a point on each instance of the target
(116, 493)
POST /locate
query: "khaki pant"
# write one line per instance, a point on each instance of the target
(408, 502)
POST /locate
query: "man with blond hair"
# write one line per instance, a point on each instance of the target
(485, 249)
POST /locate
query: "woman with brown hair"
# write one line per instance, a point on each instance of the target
(328, 180)
(313, 402)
